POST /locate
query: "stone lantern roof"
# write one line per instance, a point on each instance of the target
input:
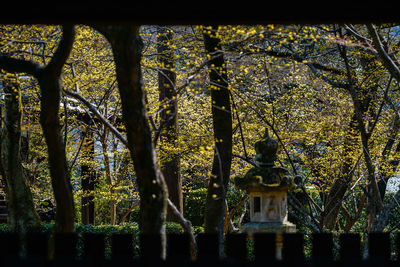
(266, 177)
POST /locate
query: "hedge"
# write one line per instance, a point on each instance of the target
(108, 231)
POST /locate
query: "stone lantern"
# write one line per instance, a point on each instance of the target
(267, 186)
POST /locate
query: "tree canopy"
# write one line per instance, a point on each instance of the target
(120, 122)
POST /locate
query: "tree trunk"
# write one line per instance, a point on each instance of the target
(343, 182)
(88, 180)
(22, 216)
(363, 93)
(222, 126)
(49, 82)
(364, 99)
(126, 46)
(390, 169)
(169, 162)
(113, 208)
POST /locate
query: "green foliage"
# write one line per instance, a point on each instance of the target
(194, 204)
(393, 221)
(108, 230)
(195, 199)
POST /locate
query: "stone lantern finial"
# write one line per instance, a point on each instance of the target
(265, 176)
(266, 150)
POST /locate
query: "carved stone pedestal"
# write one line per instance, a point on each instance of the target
(270, 227)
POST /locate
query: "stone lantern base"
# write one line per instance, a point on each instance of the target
(270, 227)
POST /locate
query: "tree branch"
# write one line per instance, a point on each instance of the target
(98, 114)
(187, 227)
(248, 160)
(63, 50)
(384, 213)
(14, 65)
(384, 57)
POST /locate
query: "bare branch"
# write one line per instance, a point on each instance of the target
(98, 114)
(383, 55)
(187, 227)
(248, 160)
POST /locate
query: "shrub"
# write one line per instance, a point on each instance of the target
(108, 230)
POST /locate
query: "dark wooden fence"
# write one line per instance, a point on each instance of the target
(90, 250)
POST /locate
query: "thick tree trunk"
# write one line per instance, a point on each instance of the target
(222, 126)
(170, 163)
(60, 180)
(126, 46)
(49, 81)
(22, 216)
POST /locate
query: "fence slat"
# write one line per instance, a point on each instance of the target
(65, 245)
(178, 246)
(322, 246)
(236, 247)
(379, 246)
(94, 247)
(150, 248)
(37, 245)
(350, 247)
(264, 247)
(122, 246)
(9, 247)
(293, 248)
(178, 250)
(397, 245)
(208, 246)
(322, 250)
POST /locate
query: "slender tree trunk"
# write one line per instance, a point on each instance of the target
(88, 180)
(126, 46)
(343, 182)
(390, 169)
(170, 162)
(364, 100)
(363, 92)
(113, 208)
(22, 216)
(222, 126)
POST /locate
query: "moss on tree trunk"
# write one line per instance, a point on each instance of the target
(22, 216)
